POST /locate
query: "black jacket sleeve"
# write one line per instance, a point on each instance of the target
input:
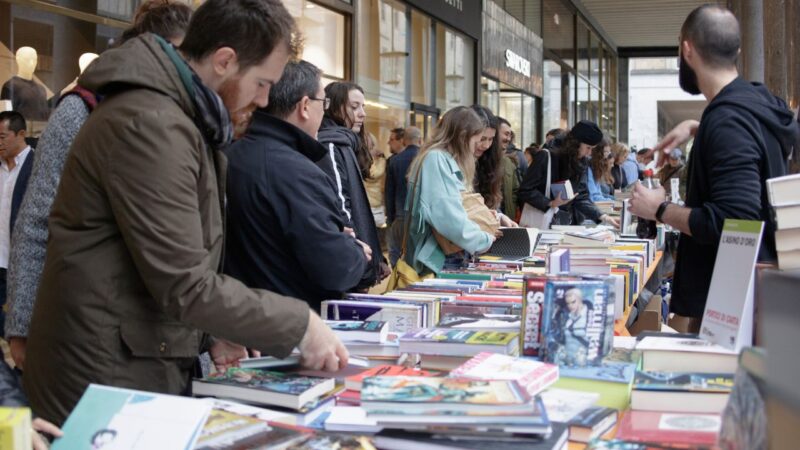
(732, 164)
(10, 391)
(333, 165)
(534, 184)
(388, 192)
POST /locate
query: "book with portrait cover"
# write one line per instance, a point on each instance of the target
(263, 387)
(576, 326)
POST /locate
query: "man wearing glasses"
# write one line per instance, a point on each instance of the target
(285, 231)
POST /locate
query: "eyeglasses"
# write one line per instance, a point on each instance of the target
(326, 102)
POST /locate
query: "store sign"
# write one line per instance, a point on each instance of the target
(518, 63)
(463, 15)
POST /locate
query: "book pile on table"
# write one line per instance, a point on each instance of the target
(784, 196)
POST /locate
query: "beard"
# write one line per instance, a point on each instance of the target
(229, 92)
(687, 78)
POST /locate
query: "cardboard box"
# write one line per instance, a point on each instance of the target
(650, 319)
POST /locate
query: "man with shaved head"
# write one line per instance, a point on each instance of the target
(744, 137)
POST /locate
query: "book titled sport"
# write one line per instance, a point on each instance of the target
(263, 387)
(533, 376)
(375, 331)
(449, 342)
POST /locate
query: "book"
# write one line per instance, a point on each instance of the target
(262, 414)
(263, 387)
(683, 392)
(351, 419)
(665, 354)
(612, 379)
(515, 243)
(15, 428)
(320, 441)
(578, 322)
(618, 444)
(359, 331)
(409, 440)
(787, 240)
(787, 217)
(482, 322)
(354, 382)
(589, 237)
(563, 190)
(591, 423)
(783, 191)
(402, 317)
(132, 419)
(446, 342)
(676, 428)
(532, 310)
(564, 404)
(558, 261)
(533, 376)
(226, 430)
(789, 260)
(434, 396)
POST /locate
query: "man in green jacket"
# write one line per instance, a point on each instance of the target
(131, 291)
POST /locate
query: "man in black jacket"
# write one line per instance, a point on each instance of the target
(396, 189)
(285, 232)
(744, 137)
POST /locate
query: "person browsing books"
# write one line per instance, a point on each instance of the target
(744, 138)
(285, 230)
(598, 173)
(442, 170)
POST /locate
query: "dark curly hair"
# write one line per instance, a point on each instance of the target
(489, 168)
(570, 154)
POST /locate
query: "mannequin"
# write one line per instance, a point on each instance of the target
(26, 95)
(83, 62)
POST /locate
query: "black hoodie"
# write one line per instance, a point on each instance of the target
(745, 137)
(341, 166)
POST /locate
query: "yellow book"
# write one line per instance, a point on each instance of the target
(15, 429)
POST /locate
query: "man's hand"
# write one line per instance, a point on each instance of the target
(226, 354)
(645, 202)
(677, 137)
(320, 348)
(613, 221)
(366, 248)
(17, 344)
(41, 425)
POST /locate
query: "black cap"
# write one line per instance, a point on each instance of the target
(587, 132)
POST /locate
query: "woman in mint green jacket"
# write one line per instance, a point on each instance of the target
(439, 174)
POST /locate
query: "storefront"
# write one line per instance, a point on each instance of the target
(415, 60)
(511, 82)
(326, 35)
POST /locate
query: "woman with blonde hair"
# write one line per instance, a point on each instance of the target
(441, 172)
(620, 152)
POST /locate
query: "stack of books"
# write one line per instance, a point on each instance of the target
(446, 349)
(784, 196)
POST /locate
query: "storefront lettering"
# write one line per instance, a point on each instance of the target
(457, 4)
(518, 63)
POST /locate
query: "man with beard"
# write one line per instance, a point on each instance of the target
(744, 138)
(131, 291)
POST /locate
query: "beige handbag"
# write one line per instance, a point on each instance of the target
(478, 212)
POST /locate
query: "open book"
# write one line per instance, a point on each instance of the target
(515, 243)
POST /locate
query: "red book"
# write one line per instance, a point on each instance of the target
(348, 398)
(353, 383)
(675, 428)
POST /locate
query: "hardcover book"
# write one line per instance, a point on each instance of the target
(686, 429)
(578, 322)
(263, 387)
(532, 375)
(447, 342)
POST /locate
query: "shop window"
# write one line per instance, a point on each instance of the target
(582, 100)
(595, 56)
(582, 48)
(551, 107)
(40, 55)
(490, 94)
(455, 72)
(558, 30)
(323, 37)
(421, 60)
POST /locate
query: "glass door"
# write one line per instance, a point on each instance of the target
(424, 117)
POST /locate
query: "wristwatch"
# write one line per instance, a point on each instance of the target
(661, 209)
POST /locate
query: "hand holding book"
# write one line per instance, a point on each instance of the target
(320, 348)
(226, 354)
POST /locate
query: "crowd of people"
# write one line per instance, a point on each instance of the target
(198, 194)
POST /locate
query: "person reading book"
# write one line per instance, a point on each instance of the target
(744, 138)
(285, 232)
(131, 291)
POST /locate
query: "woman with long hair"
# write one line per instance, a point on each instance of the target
(347, 164)
(620, 152)
(572, 163)
(598, 173)
(441, 172)
(489, 165)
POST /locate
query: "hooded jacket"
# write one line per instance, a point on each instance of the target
(745, 137)
(284, 228)
(136, 240)
(341, 166)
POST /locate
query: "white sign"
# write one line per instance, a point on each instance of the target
(518, 63)
(728, 318)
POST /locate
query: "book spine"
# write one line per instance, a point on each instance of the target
(533, 305)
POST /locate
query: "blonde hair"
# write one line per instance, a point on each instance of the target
(452, 135)
(620, 151)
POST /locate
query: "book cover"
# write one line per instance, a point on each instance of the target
(532, 309)
(225, 430)
(609, 371)
(591, 417)
(354, 382)
(677, 428)
(576, 324)
(564, 404)
(360, 331)
(107, 417)
(439, 390)
(533, 376)
(443, 335)
(498, 322)
(263, 386)
(691, 382)
(325, 441)
(402, 317)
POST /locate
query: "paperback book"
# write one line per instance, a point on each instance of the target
(225, 430)
(677, 428)
(360, 331)
(591, 423)
(533, 376)
(532, 309)
(354, 383)
(447, 342)
(263, 387)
